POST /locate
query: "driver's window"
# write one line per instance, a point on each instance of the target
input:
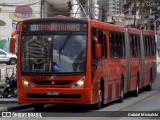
(93, 34)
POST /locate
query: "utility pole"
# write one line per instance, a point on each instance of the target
(134, 13)
(74, 8)
(95, 9)
(42, 1)
(89, 8)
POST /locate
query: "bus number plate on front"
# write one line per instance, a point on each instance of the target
(52, 93)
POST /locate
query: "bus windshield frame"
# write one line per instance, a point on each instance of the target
(53, 52)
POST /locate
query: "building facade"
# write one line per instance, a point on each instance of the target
(114, 7)
(13, 11)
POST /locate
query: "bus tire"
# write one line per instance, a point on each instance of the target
(121, 92)
(136, 92)
(38, 106)
(149, 87)
(98, 105)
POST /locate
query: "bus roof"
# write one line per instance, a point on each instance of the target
(50, 19)
(148, 32)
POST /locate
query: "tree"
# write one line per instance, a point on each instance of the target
(145, 7)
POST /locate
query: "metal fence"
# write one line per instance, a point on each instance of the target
(6, 70)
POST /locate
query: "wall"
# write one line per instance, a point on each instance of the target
(8, 15)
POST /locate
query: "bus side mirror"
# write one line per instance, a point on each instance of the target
(97, 47)
(12, 45)
(98, 51)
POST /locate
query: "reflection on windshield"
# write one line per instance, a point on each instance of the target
(58, 53)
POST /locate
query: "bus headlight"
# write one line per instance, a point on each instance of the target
(79, 83)
(26, 84)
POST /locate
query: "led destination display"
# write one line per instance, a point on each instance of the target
(57, 27)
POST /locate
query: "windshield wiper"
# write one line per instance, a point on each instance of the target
(65, 43)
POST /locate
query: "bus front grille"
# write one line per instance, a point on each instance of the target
(29, 95)
(57, 82)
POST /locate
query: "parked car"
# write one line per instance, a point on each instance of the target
(7, 58)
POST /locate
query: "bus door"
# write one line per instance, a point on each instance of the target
(105, 64)
(116, 63)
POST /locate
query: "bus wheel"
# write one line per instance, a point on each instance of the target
(136, 92)
(38, 106)
(98, 105)
(121, 93)
(149, 87)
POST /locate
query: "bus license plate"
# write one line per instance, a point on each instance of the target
(52, 93)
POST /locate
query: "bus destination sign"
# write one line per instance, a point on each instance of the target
(57, 27)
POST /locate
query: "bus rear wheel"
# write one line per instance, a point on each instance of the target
(121, 93)
(136, 92)
(149, 87)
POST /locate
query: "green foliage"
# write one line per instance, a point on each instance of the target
(144, 6)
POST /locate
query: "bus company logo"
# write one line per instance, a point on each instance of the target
(6, 114)
(20, 115)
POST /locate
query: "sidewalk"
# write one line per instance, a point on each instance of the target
(7, 104)
(10, 104)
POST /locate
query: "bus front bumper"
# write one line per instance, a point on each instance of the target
(55, 96)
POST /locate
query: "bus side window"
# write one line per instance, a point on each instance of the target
(123, 46)
(113, 44)
(138, 46)
(145, 45)
(93, 59)
(153, 45)
(117, 45)
(135, 46)
(101, 41)
(105, 45)
(93, 33)
(150, 45)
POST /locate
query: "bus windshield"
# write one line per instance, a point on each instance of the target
(53, 53)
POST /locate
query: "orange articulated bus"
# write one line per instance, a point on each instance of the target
(78, 61)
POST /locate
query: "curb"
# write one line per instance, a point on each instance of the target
(16, 107)
(12, 107)
(9, 100)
